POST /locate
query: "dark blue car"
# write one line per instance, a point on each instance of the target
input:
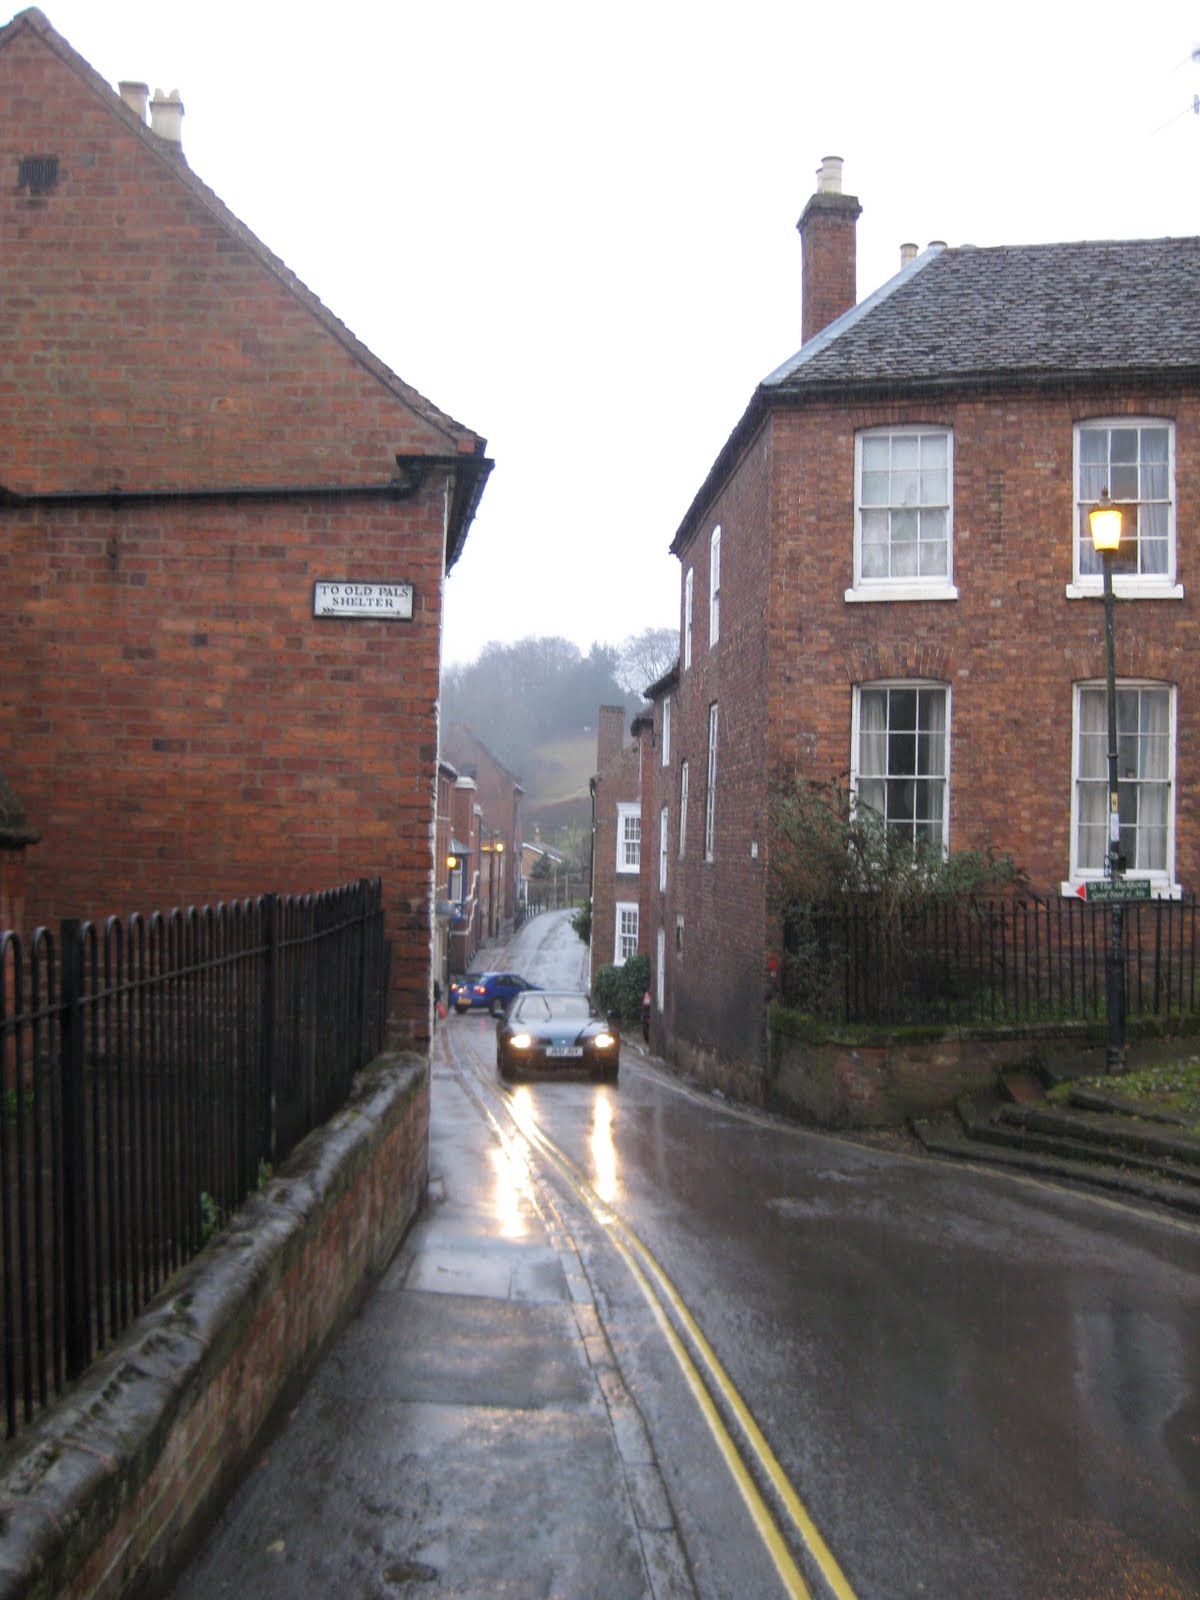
(487, 991)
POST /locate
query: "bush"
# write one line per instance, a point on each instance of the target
(620, 989)
(581, 921)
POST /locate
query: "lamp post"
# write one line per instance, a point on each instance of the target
(1104, 524)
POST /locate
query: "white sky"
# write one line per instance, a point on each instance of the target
(573, 227)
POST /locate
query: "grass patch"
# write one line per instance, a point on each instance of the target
(1173, 1086)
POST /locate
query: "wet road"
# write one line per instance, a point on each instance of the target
(970, 1384)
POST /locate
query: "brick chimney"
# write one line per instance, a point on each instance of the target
(610, 738)
(829, 284)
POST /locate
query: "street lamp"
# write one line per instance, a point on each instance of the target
(1104, 524)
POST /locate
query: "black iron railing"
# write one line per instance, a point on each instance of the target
(972, 963)
(153, 1071)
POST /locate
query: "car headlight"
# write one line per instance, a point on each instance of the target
(520, 1041)
(604, 1041)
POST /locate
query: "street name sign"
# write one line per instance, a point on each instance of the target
(1103, 890)
(383, 601)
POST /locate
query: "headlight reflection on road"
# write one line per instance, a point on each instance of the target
(514, 1187)
(604, 1152)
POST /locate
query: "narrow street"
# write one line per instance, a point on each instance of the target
(722, 1356)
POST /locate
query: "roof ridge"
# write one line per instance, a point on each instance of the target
(463, 439)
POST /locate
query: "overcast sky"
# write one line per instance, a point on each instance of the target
(573, 227)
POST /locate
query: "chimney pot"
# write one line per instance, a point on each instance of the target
(135, 96)
(937, 244)
(908, 252)
(166, 116)
(829, 175)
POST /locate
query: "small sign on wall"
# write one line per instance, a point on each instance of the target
(383, 601)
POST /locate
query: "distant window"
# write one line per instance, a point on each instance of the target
(1135, 462)
(903, 546)
(714, 586)
(679, 937)
(660, 966)
(666, 731)
(629, 837)
(662, 848)
(683, 807)
(710, 798)
(687, 620)
(627, 932)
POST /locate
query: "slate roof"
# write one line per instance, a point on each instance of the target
(956, 319)
(1029, 310)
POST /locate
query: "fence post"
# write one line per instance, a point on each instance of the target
(364, 901)
(270, 987)
(74, 1149)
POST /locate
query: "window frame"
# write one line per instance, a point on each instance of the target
(856, 732)
(714, 586)
(663, 831)
(710, 791)
(683, 807)
(666, 731)
(621, 938)
(660, 976)
(927, 587)
(628, 811)
(1161, 879)
(1126, 583)
(688, 599)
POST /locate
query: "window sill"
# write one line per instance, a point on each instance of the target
(1160, 889)
(1123, 589)
(908, 591)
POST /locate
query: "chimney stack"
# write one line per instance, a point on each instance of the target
(166, 117)
(135, 96)
(610, 738)
(829, 283)
(908, 252)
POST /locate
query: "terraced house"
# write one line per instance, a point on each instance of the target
(887, 574)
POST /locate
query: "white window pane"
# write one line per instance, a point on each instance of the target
(875, 488)
(870, 793)
(904, 526)
(1123, 483)
(875, 561)
(904, 561)
(1093, 446)
(1123, 444)
(1092, 483)
(905, 487)
(905, 450)
(935, 450)
(876, 452)
(933, 559)
(933, 488)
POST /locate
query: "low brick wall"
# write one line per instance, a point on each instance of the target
(876, 1078)
(108, 1492)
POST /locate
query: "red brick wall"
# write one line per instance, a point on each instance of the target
(713, 993)
(830, 268)
(180, 725)
(499, 796)
(618, 782)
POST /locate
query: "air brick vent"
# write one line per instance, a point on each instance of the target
(38, 174)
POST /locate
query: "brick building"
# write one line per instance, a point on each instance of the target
(499, 795)
(887, 574)
(618, 924)
(192, 446)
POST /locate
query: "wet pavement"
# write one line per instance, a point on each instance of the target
(468, 1434)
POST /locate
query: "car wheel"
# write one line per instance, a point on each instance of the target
(507, 1072)
(497, 1008)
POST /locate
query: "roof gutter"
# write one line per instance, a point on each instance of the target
(470, 475)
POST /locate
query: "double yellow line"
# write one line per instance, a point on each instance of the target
(660, 1293)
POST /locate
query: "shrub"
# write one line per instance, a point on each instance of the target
(620, 989)
(581, 921)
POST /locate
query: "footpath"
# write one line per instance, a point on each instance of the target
(468, 1435)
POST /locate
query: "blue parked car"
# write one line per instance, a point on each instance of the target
(487, 991)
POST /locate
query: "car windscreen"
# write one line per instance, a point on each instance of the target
(551, 1008)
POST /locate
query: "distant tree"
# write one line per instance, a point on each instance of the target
(644, 657)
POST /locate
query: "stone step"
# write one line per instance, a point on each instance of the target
(1062, 1146)
(1116, 1133)
(1122, 1106)
(943, 1141)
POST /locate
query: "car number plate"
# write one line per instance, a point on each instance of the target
(560, 1050)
